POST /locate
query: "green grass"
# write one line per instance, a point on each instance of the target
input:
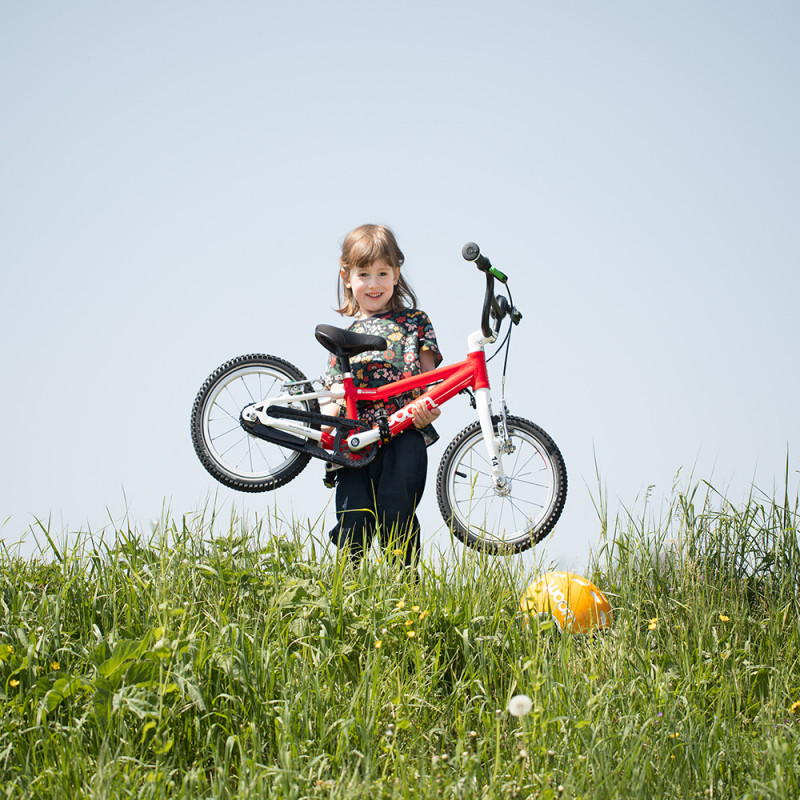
(247, 665)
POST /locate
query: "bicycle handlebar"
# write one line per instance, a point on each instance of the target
(472, 252)
(499, 308)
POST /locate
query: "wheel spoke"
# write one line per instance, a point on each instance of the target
(250, 454)
(225, 452)
(531, 483)
(235, 428)
(224, 411)
(532, 456)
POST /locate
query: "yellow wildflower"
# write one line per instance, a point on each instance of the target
(796, 707)
(401, 604)
(424, 614)
(13, 682)
(409, 622)
(723, 618)
(410, 634)
(415, 608)
(377, 644)
(55, 665)
(397, 551)
(652, 624)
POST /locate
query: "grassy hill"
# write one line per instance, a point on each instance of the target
(249, 665)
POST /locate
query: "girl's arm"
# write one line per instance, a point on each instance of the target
(331, 408)
(427, 361)
(425, 416)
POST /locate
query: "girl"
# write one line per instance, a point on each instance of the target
(382, 497)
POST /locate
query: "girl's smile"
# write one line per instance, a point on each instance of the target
(372, 286)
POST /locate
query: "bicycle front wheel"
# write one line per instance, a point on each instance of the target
(513, 518)
(229, 453)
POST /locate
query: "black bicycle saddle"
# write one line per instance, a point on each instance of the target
(343, 343)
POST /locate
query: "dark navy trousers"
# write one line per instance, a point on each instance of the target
(382, 498)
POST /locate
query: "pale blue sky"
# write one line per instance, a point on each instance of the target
(177, 178)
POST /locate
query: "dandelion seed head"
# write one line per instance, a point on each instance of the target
(520, 705)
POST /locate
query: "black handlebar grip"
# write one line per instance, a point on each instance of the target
(471, 252)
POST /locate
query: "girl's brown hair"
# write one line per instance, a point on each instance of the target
(363, 246)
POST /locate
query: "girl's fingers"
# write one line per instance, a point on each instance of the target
(424, 416)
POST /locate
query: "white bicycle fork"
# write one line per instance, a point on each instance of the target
(483, 402)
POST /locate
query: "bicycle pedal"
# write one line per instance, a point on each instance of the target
(330, 478)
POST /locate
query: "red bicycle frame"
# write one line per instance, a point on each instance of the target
(448, 382)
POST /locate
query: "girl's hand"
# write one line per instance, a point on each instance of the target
(424, 416)
(421, 414)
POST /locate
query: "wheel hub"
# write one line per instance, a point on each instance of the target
(502, 486)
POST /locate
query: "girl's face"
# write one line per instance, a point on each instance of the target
(372, 286)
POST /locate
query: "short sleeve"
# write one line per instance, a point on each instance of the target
(333, 372)
(427, 337)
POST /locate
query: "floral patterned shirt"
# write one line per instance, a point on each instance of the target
(407, 333)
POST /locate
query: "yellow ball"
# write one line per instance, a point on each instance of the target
(574, 603)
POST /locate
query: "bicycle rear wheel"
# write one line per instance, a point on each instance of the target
(517, 517)
(229, 453)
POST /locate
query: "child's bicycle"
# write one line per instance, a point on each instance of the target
(501, 483)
